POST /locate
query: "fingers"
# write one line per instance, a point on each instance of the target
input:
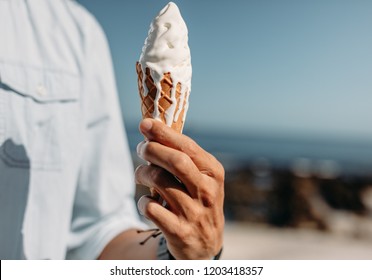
(174, 161)
(156, 131)
(171, 190)
(193, 219)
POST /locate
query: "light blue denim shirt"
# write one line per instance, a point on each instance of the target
(66, 176)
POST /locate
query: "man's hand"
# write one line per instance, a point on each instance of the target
(191, 181)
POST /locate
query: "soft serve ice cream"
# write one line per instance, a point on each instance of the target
(164, 69)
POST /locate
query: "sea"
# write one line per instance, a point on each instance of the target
(236, 150)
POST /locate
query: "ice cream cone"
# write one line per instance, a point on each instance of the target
(164, 71)
(158, 106)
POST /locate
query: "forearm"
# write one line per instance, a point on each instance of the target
(126, 246)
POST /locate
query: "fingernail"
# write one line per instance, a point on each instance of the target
(140, 148)
(136, 175)
(140, 206)
(146, 125)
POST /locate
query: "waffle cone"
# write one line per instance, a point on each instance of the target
(165, 101)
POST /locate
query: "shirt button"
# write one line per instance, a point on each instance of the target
(41, 90)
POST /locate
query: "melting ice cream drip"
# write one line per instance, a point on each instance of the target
(166, 50)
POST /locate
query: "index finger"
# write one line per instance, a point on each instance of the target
(156, 131)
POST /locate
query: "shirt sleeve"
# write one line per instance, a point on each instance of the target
(104, 201)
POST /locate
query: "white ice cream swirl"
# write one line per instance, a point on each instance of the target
(166, 50)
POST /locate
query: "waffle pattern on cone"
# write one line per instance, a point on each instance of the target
(148, 101)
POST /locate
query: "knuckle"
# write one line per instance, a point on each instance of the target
(190, 147)
(214, 169)
(180, 161)
(218, 170)
(194, 214)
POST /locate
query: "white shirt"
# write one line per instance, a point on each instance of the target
(66, 176)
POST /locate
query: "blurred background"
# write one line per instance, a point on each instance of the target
(281, 95)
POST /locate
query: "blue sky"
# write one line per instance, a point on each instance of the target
(287, 67)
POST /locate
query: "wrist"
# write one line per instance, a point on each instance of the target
(163, 252)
